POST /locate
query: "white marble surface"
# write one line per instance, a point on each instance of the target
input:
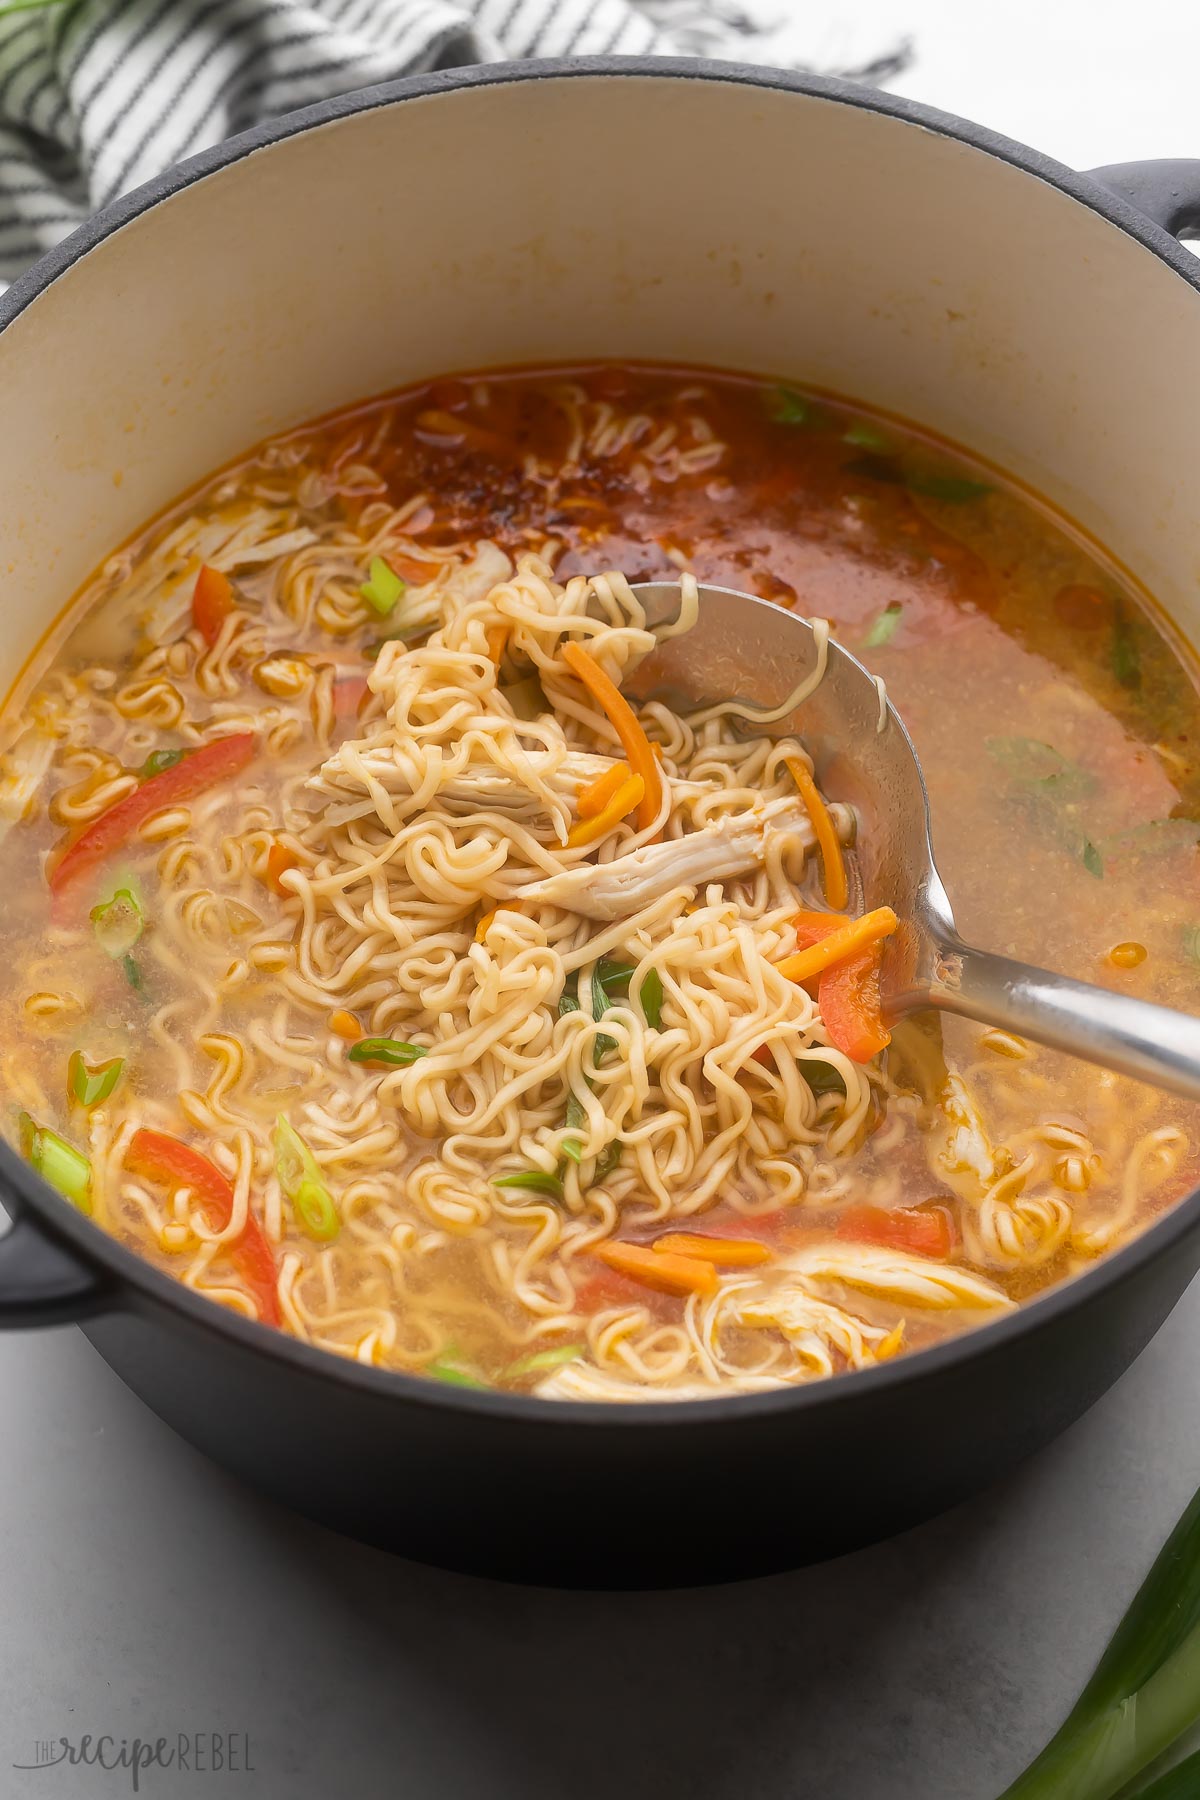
(143, 1592)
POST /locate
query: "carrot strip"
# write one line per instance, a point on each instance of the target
(636, 745)
(724, 1253)
(589, 831)
(279, 860)
(672, 1274)
(212, 603)
(485, 924)
(846, 941)
(832, 862)
(497, 642)
(596, 795)
(159, 1158)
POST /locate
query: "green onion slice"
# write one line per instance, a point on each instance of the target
(607, 1160)
(575, 1120)
(118, 923)
(544, 1359)
(384, 587)
(88, 1085)
(821, 1076)
(865, 436)
(393, 1051)
(57, 1162)
(1149, 1676)
(787, 407)
(1124, 653)
(527, 698)
(133, 974)
(449, 1372)
(301, 1179)
(651, 997)
(884, 628)
(158, 760)
(537, 1181)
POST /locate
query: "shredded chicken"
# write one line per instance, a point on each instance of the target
(917, 1279)
(733, 845)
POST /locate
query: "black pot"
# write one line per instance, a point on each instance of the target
(675, 210)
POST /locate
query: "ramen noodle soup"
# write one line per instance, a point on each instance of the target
(378, 965)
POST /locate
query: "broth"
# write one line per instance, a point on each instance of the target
(923, 1191)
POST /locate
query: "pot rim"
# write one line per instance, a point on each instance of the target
(70, 1231)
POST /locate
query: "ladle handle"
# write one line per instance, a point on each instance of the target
(1134, 1037)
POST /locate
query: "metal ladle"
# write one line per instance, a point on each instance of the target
(758, 653)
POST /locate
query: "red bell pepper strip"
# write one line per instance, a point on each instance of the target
(848, 992)
(163, 1159)
(923, 1231)
(195, 773)
(212, 603)
(349, 693)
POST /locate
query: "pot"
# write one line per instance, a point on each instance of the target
(677, 211)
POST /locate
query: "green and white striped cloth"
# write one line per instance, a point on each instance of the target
(97, 96)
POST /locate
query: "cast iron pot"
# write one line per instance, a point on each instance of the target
(671, 210)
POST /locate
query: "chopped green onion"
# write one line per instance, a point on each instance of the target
(537, 1181)
(613, 975)
(301, 1179)
(1144, 1693)
(1191, 942)
(576, 1118)
(569, 1000)
(158, 760)
(544, 1359)
(868, 437)
(604, 1043)
(57, 1162)
(92, 1085)
(884, 628)
(651, 997)
(133, 974)
(1124, 654)
(607, 1160)
(118, 923)
(877, 468)
(950, 488)
(527, 698)
(449, 1372)
(821, 1076)
(393, 1051)
(787, 407)
(1089, 856)
(384, 587)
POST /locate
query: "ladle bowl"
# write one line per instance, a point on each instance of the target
(758, 652)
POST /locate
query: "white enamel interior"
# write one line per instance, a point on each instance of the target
(646, 216)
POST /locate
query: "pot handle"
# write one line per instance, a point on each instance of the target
(1166, 191)
(41, 1283)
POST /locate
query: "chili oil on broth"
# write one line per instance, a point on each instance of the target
(1062, 781)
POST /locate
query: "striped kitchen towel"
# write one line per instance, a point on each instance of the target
(99, 95)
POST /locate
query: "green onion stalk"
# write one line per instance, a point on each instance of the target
(1144, 1694)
